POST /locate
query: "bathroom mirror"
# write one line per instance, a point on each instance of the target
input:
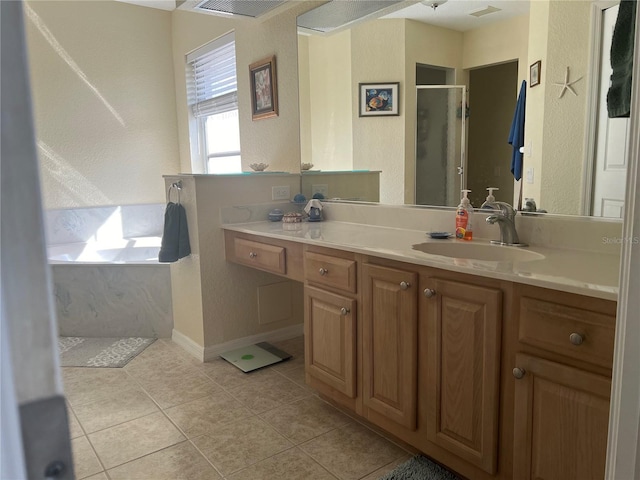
(572, 154)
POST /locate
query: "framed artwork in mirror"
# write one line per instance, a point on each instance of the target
(534, 73)
(379, 99)
(264, 89)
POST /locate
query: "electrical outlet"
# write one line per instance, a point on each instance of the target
(322, 188)
(280, 193)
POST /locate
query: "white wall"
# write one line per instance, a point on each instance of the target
(104, 101)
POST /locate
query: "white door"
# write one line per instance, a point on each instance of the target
(34, 440)
(611, 140)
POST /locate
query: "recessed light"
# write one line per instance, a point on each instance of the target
(484, 11)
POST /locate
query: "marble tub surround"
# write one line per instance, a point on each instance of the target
(575, 271)
(555, 231)
(103, 224)
(113, 300)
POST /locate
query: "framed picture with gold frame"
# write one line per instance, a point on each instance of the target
(534, 73)
(264, 88)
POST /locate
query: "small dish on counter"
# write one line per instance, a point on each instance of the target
(306, 166)
(259, 167)
(292, 217)
(275, 215)
(440, 235)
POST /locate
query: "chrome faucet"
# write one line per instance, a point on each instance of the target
(506, 220)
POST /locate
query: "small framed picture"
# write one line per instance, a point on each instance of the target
(534, 73)
(379, 99)
(264, 89)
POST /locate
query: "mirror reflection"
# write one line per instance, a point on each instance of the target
(573, 155)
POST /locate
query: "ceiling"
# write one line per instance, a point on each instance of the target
(453, 14)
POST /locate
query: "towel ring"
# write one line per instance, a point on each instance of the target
(178, 186)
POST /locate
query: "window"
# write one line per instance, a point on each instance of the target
(213, 99)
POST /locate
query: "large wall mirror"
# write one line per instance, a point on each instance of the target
(574, 156)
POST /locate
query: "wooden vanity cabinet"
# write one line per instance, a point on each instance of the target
(330, 323)
(390, 344)
(562, 386)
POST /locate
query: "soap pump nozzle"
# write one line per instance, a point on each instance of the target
(490, 197)
(465, 199)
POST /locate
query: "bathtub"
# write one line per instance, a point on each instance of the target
(105, 284)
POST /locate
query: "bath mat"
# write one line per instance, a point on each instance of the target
(419, 468)
(100, 352)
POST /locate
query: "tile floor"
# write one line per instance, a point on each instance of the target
(167, 416)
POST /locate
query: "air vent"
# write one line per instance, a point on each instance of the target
(484, 11)
(246, 8)
(336, 14)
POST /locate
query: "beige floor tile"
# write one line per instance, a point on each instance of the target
(352, 451)
(387, 468)
(305, 419)
(266, 394)
(179, 462)
(289, 465)
(228, 376)
(84, 385)
(294, 347)
(85, 462)
(160, 360)
(99, 476)
(173, 390)
(119, 407)
(75, 430)
(205, 414)
(131, 440)
(297, 375)
(239, 444)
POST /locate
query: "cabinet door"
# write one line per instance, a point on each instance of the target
(389, 343)
(330, 337)
(561, 421)
(463, 357)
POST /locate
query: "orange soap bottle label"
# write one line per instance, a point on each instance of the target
(462, 222)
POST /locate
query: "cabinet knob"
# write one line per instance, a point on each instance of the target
(404, 285)
(253, 254)
(576, 339)
(518, 373)
(429, 292)
(323, 271)
(344, 311)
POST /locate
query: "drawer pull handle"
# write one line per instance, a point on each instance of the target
(428, 292)
(344, 311)
(576, 339)
(323, 271)
(518, 373)
(253, 254)
(404, 285)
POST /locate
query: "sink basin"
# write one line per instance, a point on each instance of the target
(478, 251)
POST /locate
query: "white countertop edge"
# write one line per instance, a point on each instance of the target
(478, 268)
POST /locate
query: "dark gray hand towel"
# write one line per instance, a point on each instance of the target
(175, 239)
(619, 95)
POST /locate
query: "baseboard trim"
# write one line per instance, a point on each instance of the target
(212, 351)
(189, 345)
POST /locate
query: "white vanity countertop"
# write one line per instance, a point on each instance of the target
(585, 273)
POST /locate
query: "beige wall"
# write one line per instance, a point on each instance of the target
(275, 140)
(215, 301)
(104, 101)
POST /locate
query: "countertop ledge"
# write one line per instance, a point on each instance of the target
(583, 273)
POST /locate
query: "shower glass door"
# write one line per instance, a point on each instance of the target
(440, 144)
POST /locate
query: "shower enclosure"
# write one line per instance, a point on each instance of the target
(440, 144)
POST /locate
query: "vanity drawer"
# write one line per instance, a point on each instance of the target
(567, 330)
(330, 271)
(260, 255)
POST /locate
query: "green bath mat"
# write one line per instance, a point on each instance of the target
(420, 468)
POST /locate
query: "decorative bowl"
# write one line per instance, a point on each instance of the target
(275, 215)
(306, 166)
(292, 217)
(299, 198)
(259, 167)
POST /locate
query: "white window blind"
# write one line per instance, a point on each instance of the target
(213, 87)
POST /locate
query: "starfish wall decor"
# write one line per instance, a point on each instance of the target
(567, 85)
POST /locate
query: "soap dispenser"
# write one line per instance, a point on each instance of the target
(490, 198)
(464, 214)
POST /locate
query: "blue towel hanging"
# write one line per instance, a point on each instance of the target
(516, 134)
(175, 239)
